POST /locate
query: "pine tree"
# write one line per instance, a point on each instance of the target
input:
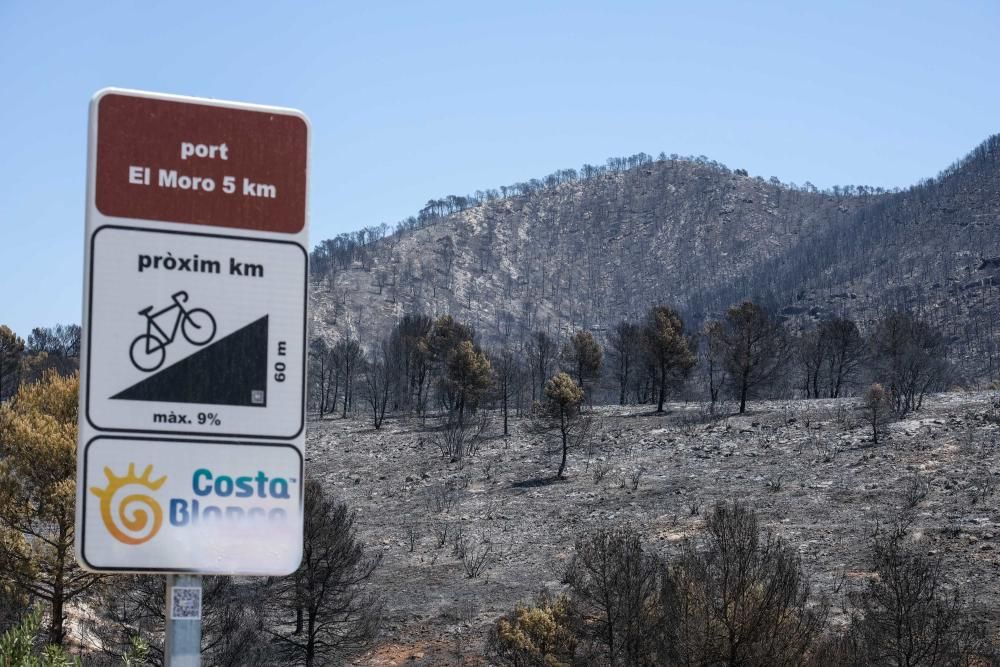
(38, 432)
(667, 347)
(562, 401)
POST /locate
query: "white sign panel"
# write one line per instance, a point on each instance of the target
(192, 385)
(177, 352)
(190, 506)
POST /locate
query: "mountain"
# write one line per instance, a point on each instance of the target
(587, 249)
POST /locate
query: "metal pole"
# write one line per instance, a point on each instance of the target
(183, 645)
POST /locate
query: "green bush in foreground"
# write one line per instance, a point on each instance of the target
(18, 646)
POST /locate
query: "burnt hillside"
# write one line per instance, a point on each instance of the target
(587, 250)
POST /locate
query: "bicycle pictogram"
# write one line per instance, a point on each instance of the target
(148, 350)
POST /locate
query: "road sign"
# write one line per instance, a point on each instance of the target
(194, 336)
(221, 337)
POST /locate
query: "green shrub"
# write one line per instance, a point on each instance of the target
(19, 646)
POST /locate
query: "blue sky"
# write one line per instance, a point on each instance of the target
(410, 101)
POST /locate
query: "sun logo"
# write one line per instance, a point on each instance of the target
(132, 518)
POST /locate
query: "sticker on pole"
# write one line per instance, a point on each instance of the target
(185, 603)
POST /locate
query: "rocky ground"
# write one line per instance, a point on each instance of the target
(808, 467)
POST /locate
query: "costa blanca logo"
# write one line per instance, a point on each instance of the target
(132, 517)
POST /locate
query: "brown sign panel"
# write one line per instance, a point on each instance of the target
(200, 164)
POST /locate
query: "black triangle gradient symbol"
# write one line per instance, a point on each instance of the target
(230, 371)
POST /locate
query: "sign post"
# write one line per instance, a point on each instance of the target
(182, 645)
(192, 384)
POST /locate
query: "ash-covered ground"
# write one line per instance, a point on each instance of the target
(809, 468)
